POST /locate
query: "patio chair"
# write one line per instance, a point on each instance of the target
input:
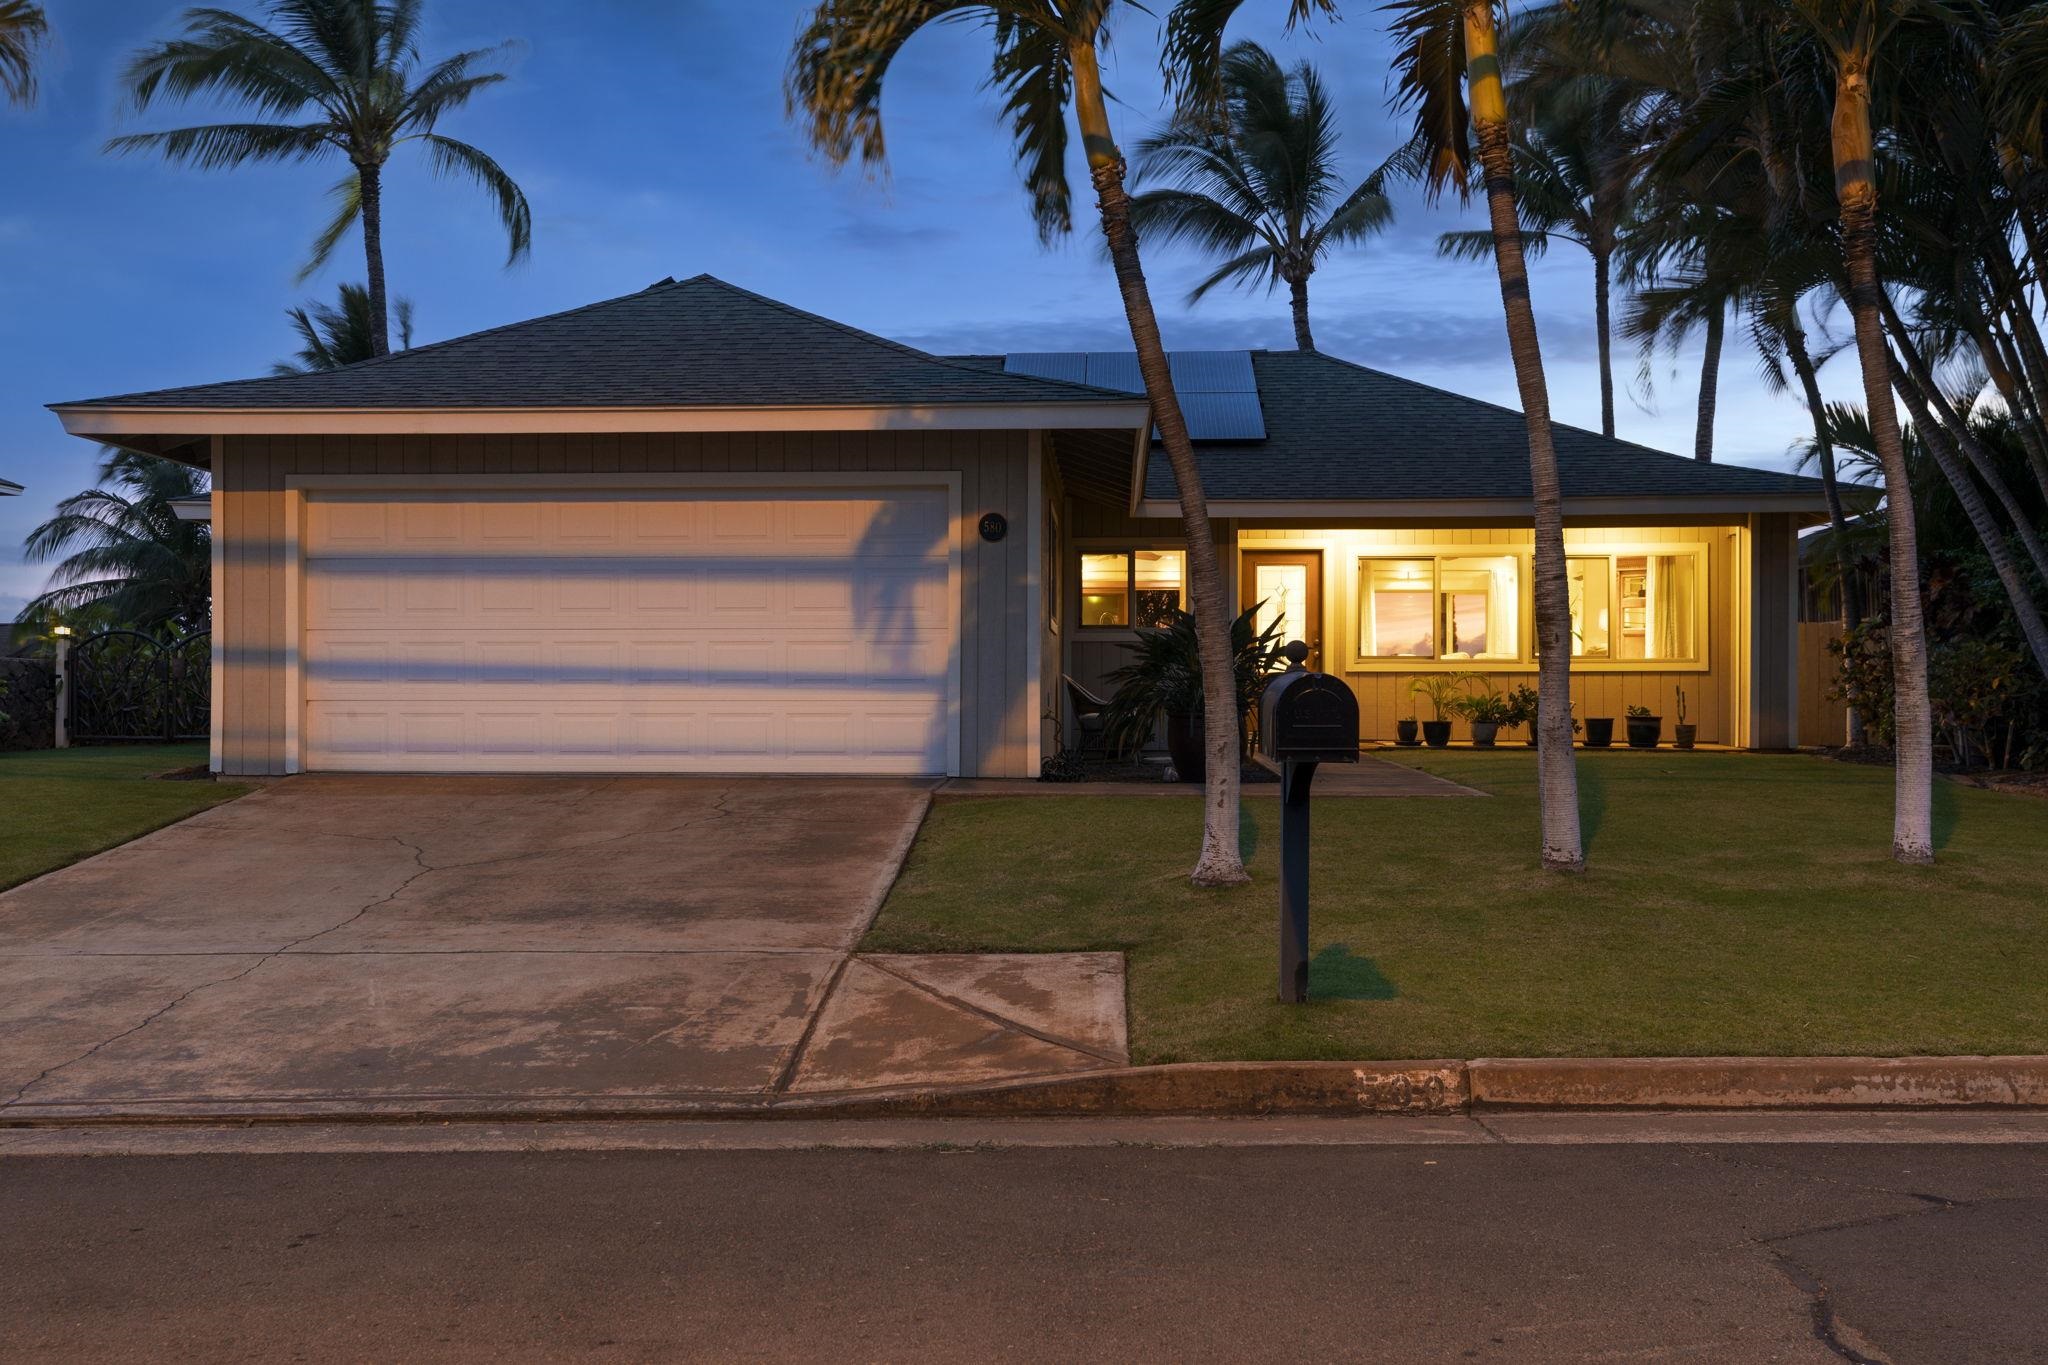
(1089, 714)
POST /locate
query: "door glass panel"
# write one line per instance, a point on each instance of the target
(1283, 591)
(1105, 590)
(1397, 602)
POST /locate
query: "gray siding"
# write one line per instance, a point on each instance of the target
(999, 731)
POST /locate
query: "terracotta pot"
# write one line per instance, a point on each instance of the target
(1645, 732)
(1599, 732)
(1404, 733)
(1436, 733)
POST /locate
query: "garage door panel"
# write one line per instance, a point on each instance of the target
(794, 633)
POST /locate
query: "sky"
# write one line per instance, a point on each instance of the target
(651, 139)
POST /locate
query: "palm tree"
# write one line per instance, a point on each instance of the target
(126, 555)
(23, 29)
(331, 336)
(348, 68)
(1571, 185)
(1852, 37)
(1449, 71)
(1262, 191)
(1044, 59)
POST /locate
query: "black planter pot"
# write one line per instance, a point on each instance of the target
(1645, 732)
(1599, 732)
(1436, 733)
(1184, 743)
(1404, 733)
(1483, 733)
(1683, 735)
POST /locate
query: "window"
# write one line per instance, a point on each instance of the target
(1132, 587)
(1453, 607)
(1636, 608)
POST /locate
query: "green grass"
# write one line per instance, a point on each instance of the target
(1735, 903)
(60, 805)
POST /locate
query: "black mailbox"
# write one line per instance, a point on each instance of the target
(1308, 718)
(1304, 719)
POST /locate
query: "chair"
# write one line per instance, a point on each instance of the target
(1089, 715)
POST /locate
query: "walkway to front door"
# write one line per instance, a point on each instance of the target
(485, 944)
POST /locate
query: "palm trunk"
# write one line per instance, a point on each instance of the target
(1913, 723)
(1220, 862)
(1939, 444)
(1304, 340)
(372, 180)
(1603, 327)
(1831, 490)
(1556, 765)
(1929, 395)
(1710, 385)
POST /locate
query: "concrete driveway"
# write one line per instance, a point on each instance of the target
(481, 944)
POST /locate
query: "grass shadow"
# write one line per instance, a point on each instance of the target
(1247, 832)
(1948, 812)
(1592, 800)
(1336, 974)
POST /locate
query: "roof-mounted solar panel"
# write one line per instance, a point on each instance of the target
(1218, 394)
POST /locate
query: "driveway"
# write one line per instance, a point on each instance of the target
(482, 944)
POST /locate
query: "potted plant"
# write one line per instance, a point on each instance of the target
(1444, 691)
(1599, 731)
(1405, 731)
(1683, 734)
(1164, 679)
(1645, 728)
(1524, 701)
(1485, 711)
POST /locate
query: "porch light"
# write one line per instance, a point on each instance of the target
(60, 630)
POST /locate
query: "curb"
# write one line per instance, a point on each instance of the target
(1331, 1089)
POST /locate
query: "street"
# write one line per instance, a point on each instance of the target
(979, 1242)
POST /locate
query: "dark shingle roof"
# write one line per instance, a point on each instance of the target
(697, 343)
(1339, 432)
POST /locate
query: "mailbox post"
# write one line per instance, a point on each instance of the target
(1305, 719)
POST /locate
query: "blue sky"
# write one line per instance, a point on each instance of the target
(650, 137)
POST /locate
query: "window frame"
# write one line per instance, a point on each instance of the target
(1525, 660)
(1130, 549)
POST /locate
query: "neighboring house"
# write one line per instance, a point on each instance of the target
(694, 529)
(9, 488)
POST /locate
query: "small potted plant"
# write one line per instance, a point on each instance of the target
(1485, 711)
(1599, 731)
(1524, 700)
(1444, 691)
(1405, 731)
(1645, 728)
(1683, 734)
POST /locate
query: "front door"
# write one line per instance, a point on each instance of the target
(1289, 587)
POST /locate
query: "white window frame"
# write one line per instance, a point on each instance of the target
(1703, 590)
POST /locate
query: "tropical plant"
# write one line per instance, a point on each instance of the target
(1486, 706)
(1448, 72)
(1164, 676)
(1444, 690)
(342, 333)
(1043, 59)
(126, 558)
(349, 68)
(1262, 189)
(23, 30)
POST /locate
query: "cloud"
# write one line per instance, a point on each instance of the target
(881, 235)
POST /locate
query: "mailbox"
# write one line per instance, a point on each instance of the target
(1308, 718)
(1304, 719)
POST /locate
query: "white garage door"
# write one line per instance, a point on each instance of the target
(741, 631)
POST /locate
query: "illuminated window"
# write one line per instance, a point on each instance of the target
(1442, 607)
(1637, 608)
(1133, 587)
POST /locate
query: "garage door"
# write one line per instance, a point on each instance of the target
(711, 632)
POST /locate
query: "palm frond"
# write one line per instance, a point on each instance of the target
(449, 157)
(347, 194)
(1429, 78)
(23, 30)
(217, 145)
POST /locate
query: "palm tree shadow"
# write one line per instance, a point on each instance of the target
(1336, 974)
(1247, 831)
(1948, 812)
(1592, 801)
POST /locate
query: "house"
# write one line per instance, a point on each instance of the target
(695, 529)
(9, 488)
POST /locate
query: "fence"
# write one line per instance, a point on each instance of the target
(1822, 720)
(28, 703)
(122, 686)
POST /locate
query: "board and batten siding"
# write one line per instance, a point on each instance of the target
(999, 726)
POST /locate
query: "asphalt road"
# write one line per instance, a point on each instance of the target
(1712, 1252)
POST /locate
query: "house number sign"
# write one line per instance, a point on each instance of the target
(994, 526)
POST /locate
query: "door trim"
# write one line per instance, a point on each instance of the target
(455, 486)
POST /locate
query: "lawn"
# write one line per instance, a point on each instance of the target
(1735, 903)
(60, 805)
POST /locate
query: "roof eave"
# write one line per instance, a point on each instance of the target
(1515, 509)
(112, 422)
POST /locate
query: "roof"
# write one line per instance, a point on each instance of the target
(699, 342)
(1339, 432)
(1217, 392)
(8, 488)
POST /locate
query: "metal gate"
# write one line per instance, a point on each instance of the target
(125, 685)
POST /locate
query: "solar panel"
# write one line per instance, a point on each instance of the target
(1218, 394)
